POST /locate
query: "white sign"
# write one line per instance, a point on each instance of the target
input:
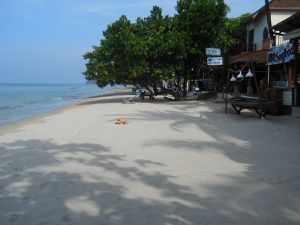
(280, 54)
(215, 61)
(213, 51)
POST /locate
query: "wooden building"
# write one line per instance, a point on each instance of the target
(289, 29)
(260, 43)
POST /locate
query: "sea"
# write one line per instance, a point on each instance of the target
(22, 101)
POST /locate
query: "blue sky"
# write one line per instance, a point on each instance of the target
(42, 41)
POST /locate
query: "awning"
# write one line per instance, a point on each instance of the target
(258, 57)
(292, 34)
(289, 24)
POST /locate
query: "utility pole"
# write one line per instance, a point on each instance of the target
(271, 33)
(267, 5)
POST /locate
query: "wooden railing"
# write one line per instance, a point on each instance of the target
(251, 47)
(242, 48)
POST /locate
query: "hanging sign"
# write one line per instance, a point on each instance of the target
(281, 54)
(213, 51)
(215, 61)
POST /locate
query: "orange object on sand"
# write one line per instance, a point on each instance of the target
(121, 121)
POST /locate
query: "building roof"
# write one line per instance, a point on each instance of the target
(289, 24)
(285, 4)
(257, 57)
(276, 5)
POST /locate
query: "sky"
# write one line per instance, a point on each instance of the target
(42, 41)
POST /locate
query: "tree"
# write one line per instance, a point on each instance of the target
(154, 51)
(158, 47)
(234, 32)
(200, 22)
(110, 62)
(141, 53)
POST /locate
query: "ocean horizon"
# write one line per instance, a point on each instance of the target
(20, 101)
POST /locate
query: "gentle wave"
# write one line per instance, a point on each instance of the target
(57, 98)
(6, 107)
(34, 102)
(19, 101)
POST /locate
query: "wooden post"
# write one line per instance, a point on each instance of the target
(290, 75)
(258, 90)
(227, 89)
(267, 6)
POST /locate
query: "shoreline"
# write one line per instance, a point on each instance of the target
(36, 118)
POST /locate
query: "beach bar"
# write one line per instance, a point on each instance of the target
(289, 58)
(272, 46)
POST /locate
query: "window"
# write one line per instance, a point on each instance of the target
(251, 41)
(265, 33)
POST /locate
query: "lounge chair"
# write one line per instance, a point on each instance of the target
(137, 95)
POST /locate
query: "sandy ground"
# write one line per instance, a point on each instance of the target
(173, 163)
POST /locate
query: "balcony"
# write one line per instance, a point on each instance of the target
(247, 52)
(242, 49)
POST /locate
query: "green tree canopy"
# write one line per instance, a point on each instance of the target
(234, 32)
(200, 22)
(160, 47)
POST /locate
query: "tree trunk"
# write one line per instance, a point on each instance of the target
(148, 89)
(185, 79)
(155, 89)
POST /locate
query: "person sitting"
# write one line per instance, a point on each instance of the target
(134, 89)
(142, 95)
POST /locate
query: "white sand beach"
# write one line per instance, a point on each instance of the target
(173, 163)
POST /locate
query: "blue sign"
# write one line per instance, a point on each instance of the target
(281, 54)
(215, 61)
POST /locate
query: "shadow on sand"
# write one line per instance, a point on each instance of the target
(47, 183)
(43, 182)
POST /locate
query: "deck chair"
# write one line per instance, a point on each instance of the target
(137, 95)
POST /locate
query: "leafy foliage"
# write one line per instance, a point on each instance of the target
(160, 47)
(234, 32)
(201, 22)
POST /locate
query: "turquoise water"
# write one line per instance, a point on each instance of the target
(22, 101)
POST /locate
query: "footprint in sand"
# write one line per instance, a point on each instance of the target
(66, 218)
(26, 198)
(14, 218)
(44, 185)
(2, 186)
